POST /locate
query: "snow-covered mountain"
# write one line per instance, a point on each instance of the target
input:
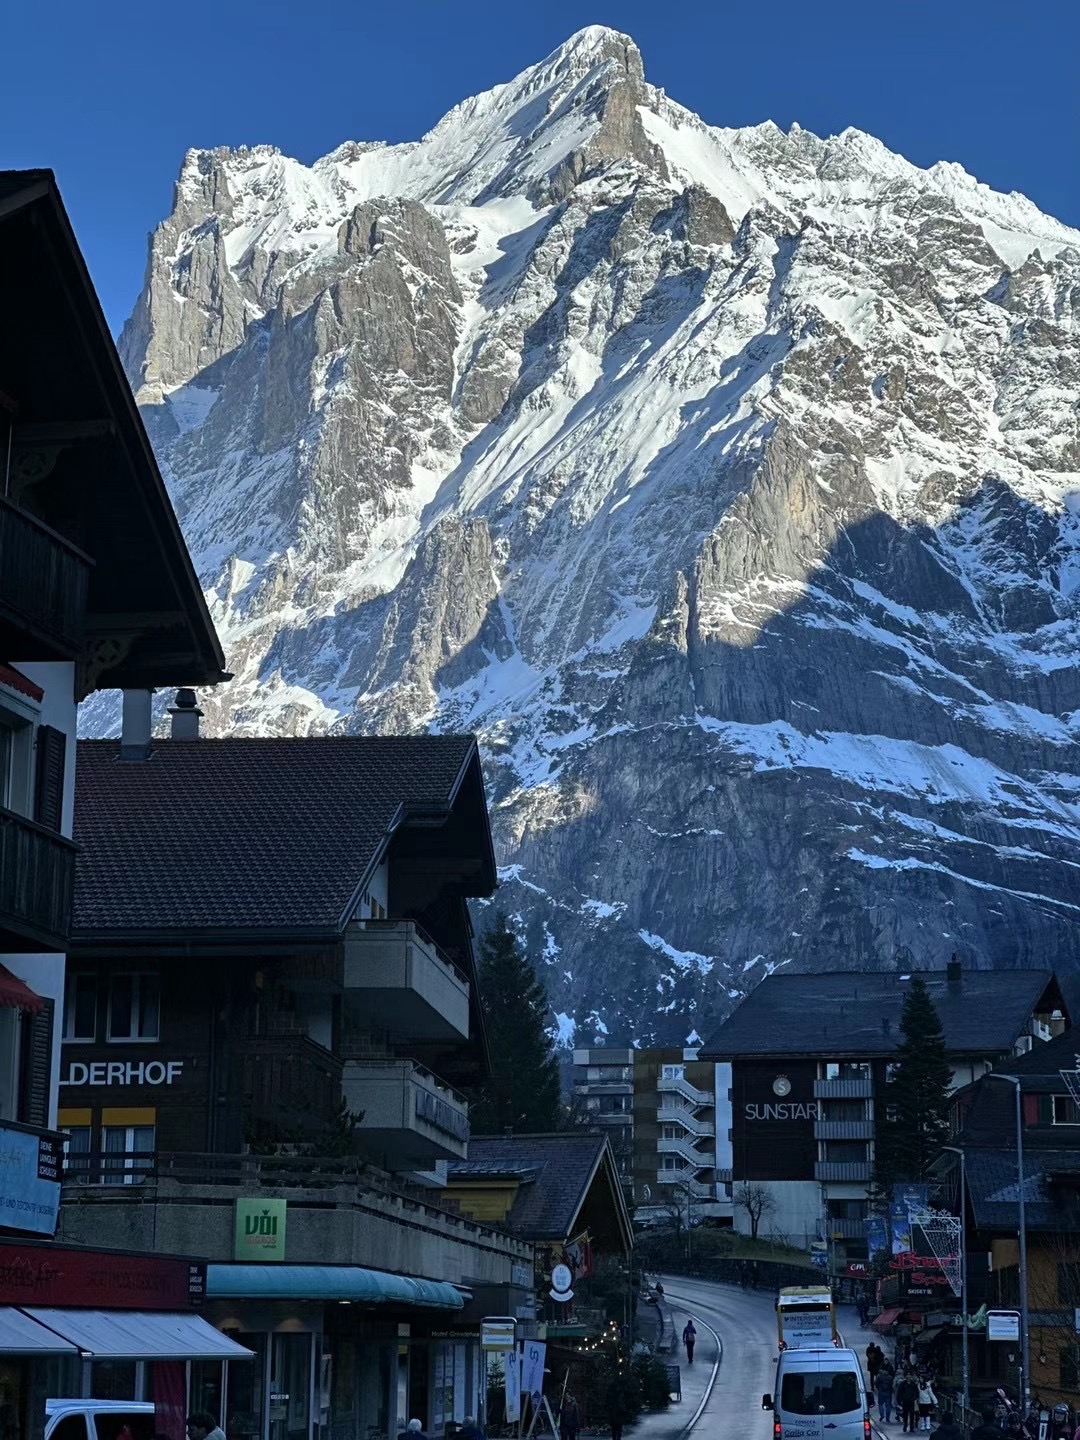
(725, 480)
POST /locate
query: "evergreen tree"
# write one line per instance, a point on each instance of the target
(915, 1123)
(523, 1092)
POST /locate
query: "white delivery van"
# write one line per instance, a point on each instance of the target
(819, 1396)
(99, 1420)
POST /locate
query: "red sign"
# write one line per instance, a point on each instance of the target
(97, 1279)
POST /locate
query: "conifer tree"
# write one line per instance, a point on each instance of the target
(523, 1092)
(913, 1121)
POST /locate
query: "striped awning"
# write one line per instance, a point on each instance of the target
(14, 991)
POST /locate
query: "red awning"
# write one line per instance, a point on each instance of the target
(16, 680)
(881, 1322)
(14, 992)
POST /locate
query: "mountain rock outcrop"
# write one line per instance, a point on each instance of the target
(727, 481)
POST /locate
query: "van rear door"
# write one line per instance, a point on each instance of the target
(825, 1403)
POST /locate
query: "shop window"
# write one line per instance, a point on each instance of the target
(134, 1007)
(80, 1006)
(112, 1380)
(127, 1152)
(244, 1402)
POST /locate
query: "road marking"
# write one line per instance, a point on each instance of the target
(715, 1369)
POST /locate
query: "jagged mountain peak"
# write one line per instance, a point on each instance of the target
(723, 479)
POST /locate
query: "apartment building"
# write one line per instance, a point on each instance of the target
(811, 1059)
(602, 1094)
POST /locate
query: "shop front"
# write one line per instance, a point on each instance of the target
(106, 1325)
(341, 1351)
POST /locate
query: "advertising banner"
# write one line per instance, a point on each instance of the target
(532, 1369)
(30, 1166)
(877, 1236)
(259, 1230)
(512, 1382)
(906, 1198)
(36, 1273)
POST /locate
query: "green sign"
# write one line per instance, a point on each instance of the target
(260, 1230)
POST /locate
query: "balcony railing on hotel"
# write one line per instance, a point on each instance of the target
(37, 877)
(288, 1080)
(43, 582)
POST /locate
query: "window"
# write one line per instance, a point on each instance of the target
(122, 1146)
(669, 1162)
(845, 1152)
(1065, 1110)
(16, 751)
(843, 1109)
(134, 1007)
(76, 1154)
(847, 1209)
(847, 1070)
(672, 1132)
(671, 1072)
(829, 1392)
(80, 1006)
(1069, 1367)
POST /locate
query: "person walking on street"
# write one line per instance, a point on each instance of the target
(875, 1359)
(689, 1339)
(989, 1429)
(927, 1404)
(884, 1387)
(948, 1429)
(862, 1307)
(907, 1397)
(569, 1419)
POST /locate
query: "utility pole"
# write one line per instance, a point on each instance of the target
(1025, 1356)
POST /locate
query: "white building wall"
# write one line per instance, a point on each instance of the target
(724, 1116)
(45, 973)
(795, 1216)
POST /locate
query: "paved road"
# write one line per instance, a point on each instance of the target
(746, 1324)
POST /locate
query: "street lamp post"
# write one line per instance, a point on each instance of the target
(965, 1350)
(1025, 1358)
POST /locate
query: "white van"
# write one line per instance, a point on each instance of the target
(820, 1395)
(77, 1419)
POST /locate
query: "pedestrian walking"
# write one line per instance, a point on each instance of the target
(884, 1387)
(875, 1359)
(907, 1399)
(569, 1419)
(989, 1429)
(862, 1306)
(927, 1404)
(689, 1339)
(413, 1431)
(948, 1429)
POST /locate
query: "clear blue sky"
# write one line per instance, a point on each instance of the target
(110, 93)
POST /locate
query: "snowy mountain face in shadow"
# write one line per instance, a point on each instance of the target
(723, 480)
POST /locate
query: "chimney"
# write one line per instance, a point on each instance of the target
(135, 725)
(954, 972)
(185, 716)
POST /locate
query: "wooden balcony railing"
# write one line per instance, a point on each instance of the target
(37, 876)
(43, 584)
(288, 1081)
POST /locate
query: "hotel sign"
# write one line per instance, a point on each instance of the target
(121, 1072)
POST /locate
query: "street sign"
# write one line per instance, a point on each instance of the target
(1003, 1325)
(497, 1333)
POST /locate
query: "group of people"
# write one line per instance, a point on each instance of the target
(909, 1391)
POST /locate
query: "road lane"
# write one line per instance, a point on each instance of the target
(746, 1324)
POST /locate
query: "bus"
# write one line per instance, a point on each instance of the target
(806, 1317)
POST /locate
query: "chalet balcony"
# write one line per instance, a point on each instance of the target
(843, 1089)
(43, 584)
(840, 1170)
(410, 1117)
(843, 1130)
(288, 1081)
(396, 977)
(37, 876)
(837, 1229)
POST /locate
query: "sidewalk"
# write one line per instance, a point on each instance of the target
(670, 1423)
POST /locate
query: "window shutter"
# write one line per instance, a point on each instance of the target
(49, 796)
(37, 1067)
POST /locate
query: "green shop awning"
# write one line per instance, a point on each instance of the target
(329, 1282)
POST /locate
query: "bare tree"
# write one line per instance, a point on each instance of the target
(1054, 1293)
(758, 1201)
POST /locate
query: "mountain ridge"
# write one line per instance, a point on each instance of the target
(724, 480)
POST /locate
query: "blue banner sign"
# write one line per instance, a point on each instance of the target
(30, 1171)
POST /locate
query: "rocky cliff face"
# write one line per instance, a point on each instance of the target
(724, 480)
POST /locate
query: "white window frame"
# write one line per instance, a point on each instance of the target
(1068, 1101)
(673, 1072)
(130, 1174)
(136, 977)
(69, 1007)
(17, 786)
(11, 1030)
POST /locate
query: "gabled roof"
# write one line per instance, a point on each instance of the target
(265, 835)
(1048, 1203)
(556, 1173)
(1041, 1067)
(844, 1013)
(72, 410)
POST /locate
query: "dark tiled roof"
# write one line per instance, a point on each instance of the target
(246, 834)
(992, 1185)
(1041, 1068)
(842, 1013)
(562, 1166)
